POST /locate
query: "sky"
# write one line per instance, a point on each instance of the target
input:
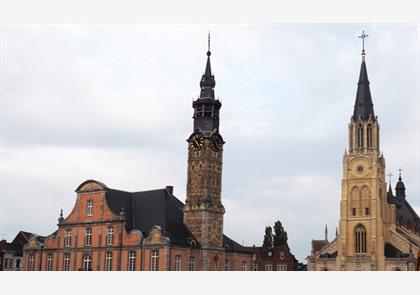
(113, 103)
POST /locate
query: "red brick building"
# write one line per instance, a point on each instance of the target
(110, 229)
(273, 259)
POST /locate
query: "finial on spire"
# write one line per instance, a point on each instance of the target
(326, 233)
(363, 37)
(399, 173)
(208, 49)
(61, 213)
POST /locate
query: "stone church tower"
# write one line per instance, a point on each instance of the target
(203, 210)
(363, 200)
(377, 230)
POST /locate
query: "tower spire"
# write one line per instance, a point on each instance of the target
(400, 187)
(363, 108)
(207, 82)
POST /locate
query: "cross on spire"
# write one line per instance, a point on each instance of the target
(390, 176)
(363, 37)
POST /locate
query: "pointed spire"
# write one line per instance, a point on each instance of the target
(207, 82)
(326, 233)
(363, 107)
(336, 232)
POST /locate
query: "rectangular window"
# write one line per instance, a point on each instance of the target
(225, 265)
(89, 208)
(367, 211)
(354, 211)
(132, 260)
(110, 236)
(178, 262)
(191, 266)
(108, 261)
(49, 262)
(67, 239)
(244, 266)
(268, 267)
(88, 237)
(66, 264)
(154, 260)
(31, 265)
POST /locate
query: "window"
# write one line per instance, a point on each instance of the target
(225, 265)
(17, 263)
(178, 262)
(354, 211)
(369, 136)
(367, 211)
(281, 267)
(244, 266)
(67, 239)
(192, 263)
(360, 233)
(66, 265)
(268, 267)
(208, 111)
(132, 260)
(200, 111)
(89, 208)
(110, 236)
(359, 136)
(216, 263)
(49, 262)
(108, 261)
(281, 255)
(88, 237)
(31, 265)
(154, 260)
(87, 262)
(255, 266)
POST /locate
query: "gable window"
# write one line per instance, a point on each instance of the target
(178, 262)
(88, 237)
(244, 266)
(66, 264)
(132, 260)
(67, 239)
(87, 262)
(108, 261)
(268, 267)
(110, 236)
(360, 237)
(192, 263)
(154, 260)
(89, 208)
(49, 262)
(31, 265)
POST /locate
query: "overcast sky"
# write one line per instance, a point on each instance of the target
(113, 103)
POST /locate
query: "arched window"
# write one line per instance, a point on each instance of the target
(87, 262)
(178, 262)
(360, 237)
(369, 136)
(360, 136)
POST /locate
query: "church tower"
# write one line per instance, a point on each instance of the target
(363, 203)
(203, 210)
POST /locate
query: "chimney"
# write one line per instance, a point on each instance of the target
(170, 189)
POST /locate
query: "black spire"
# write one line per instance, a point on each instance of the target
(400, 187)
(363, 107)
(207, 82)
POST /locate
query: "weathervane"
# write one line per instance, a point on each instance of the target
(363, 37)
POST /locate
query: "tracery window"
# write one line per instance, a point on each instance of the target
(360, 239)
(369, 136)
(359, 136)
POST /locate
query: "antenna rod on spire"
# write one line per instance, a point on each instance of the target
(399, 172)
(209, 42)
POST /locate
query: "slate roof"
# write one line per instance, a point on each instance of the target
(157, 207)
(363, 107)
(318, 244)
(392, 252)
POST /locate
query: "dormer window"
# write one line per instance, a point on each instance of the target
(89, 208)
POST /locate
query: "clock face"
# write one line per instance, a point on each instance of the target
(217, 142)
(359, 169)
(196, 142)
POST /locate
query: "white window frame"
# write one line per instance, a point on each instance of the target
(268, 266)
(178, 261)
(67, 238)
(89, 207)
(49, 265)
(154, 260)
(88, 237)
(66, 262)
(87, 262)
(31, 265)
(281, 267)
(244, 266)
(191, 265)
(110, 236)
(108, 261)
(131, 260)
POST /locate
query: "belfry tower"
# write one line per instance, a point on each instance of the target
(363, 203)
(203, 210)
